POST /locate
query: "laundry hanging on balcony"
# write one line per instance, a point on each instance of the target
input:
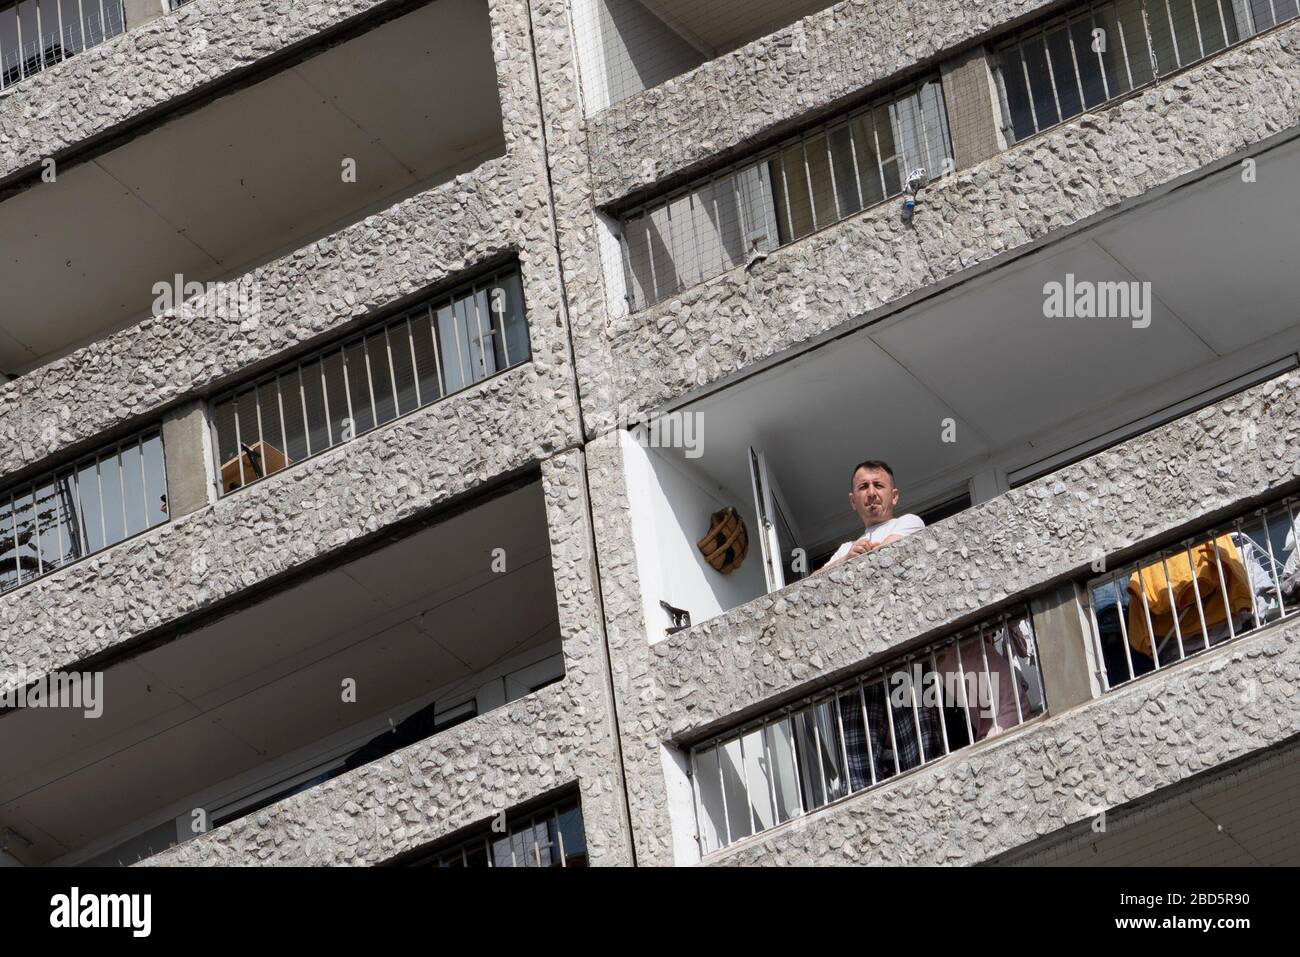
(1182, 585)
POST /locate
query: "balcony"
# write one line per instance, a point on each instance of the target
(952, 391)
(36, 34)
(627, 46)
(237, 181)
(899, 718)
(275, 695)
(333, 395)
(756, 710)
(549, 835)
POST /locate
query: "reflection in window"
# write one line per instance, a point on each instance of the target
(335, 395)
(74, 512)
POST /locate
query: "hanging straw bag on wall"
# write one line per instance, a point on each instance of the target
(725, 545)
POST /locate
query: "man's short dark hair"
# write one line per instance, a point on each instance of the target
(873, 465)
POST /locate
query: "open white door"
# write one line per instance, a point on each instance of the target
(776, 533)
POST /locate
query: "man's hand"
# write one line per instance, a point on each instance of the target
(861, 547)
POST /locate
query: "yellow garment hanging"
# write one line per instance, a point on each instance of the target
(1185, 586)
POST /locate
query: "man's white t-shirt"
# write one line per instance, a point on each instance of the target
(898, 525)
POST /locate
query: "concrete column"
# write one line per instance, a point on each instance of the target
(974, 113)
(187, 452)
(1065, 649)
(137, 12)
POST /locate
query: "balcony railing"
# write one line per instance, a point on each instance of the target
(909, 713)
(1065, 65)
(36, 34)
(68, 514)
(828, 173)
(550, 837)
(1193, 596)
(306, 407)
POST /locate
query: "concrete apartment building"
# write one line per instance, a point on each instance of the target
(424, 417)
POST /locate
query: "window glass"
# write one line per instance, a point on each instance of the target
(780, 747)
(845, 171)
(133, 492)
(869, 173)
(733, 789)
(92, 513)
(8, 546)
(319, 430)
(816, 151)
(1089, 61)
(712, 819)
(1061, 57)
(295, 427)
(381, 377)
(426, 358)
(357, 374)
(155, 479)
(110, 486)
(757, 780)
(574, 836)
(399, 348)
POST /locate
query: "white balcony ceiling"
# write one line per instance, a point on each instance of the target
(223, 700)
(1220, 255)
(247, 177)
(719, 26)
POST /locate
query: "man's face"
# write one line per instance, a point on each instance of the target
(873, 496)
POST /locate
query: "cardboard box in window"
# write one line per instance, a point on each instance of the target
(266, 460)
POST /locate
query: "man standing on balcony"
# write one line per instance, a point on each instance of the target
(873, 496)
(908, 734)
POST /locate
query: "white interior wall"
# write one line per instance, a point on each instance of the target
(670, 512)
(623, 49)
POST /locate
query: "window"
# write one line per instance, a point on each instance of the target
(550, 837)
(35, 34)
(1064, 66)
(334, 395)
(1197, 594)
(829, 173)
(915, 710)
(76, 511)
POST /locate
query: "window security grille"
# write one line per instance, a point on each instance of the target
(1058, 69)
(911, 712)
(1197, 594)
(74, 512)
(551, 837)
(307, 407)
(825, 175)
(35, 34)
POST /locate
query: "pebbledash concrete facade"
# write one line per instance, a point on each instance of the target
(619, 727)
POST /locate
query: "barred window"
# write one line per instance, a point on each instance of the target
(35, 34)
(334, 395)
(914, 710)
(73, 512)
(831, 172)
(1065, 65)
(1197, 594)
(552, 836)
